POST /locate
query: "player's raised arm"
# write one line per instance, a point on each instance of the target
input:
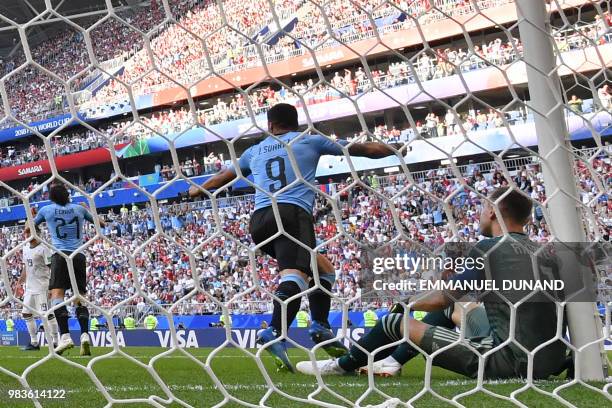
(218, 180)
(373, 150)
(39, 216)
(224, 176)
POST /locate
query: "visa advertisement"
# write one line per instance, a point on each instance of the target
(214, 337)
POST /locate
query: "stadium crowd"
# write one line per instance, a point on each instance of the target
(349, 24)
(193, 167)
(33, 94)
(440, 63)
(190, 168)
(179, 54)
(164, 271)
(431, 125)
(171, 122)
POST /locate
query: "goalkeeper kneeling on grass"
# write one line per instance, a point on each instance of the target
(536, 317)
(477, 325)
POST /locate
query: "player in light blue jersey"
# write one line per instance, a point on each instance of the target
(65, 224)
(270, 164)
(66, 221)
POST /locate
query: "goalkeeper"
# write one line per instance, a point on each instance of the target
(275, 176)
(536, 318)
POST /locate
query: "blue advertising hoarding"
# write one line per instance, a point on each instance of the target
(212, 337)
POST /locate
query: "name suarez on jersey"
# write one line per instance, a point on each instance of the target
(64, 212)
(271, 148)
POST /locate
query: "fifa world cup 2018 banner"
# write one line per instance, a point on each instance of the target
(211, 337)
(43, 126)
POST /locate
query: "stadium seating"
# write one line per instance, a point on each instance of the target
(164, 268)
(31, 92)
(352, 83)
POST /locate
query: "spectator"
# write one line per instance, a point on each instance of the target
(575, 104)
(432, 122)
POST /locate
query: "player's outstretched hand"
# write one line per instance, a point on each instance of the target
(195, 191)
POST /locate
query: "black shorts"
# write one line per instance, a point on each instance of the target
(60, 279)
(296, 222)
(460, 358)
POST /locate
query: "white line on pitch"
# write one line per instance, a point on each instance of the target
(281, 385)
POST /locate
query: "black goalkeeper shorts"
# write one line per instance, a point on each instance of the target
(60, 279)
(296, 222)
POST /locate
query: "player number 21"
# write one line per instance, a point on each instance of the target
(279, 177)
(60, 222)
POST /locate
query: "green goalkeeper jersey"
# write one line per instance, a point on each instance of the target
(536, 318)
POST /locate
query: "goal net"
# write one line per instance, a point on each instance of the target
(129, 104)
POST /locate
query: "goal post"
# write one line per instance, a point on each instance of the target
(546, 102)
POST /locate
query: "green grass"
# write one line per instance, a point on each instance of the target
(189, 382)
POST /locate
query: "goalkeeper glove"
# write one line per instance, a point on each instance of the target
(398, 307)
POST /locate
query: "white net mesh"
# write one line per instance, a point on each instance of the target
(180, 87)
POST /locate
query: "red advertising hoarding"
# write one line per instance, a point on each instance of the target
(68, 162)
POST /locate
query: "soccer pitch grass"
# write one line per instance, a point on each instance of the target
(239, 373)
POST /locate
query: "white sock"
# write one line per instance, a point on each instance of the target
(391, 360)
(337, 366)
(84, 337)
(31, 323)
(54, 330)
(66, 336)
